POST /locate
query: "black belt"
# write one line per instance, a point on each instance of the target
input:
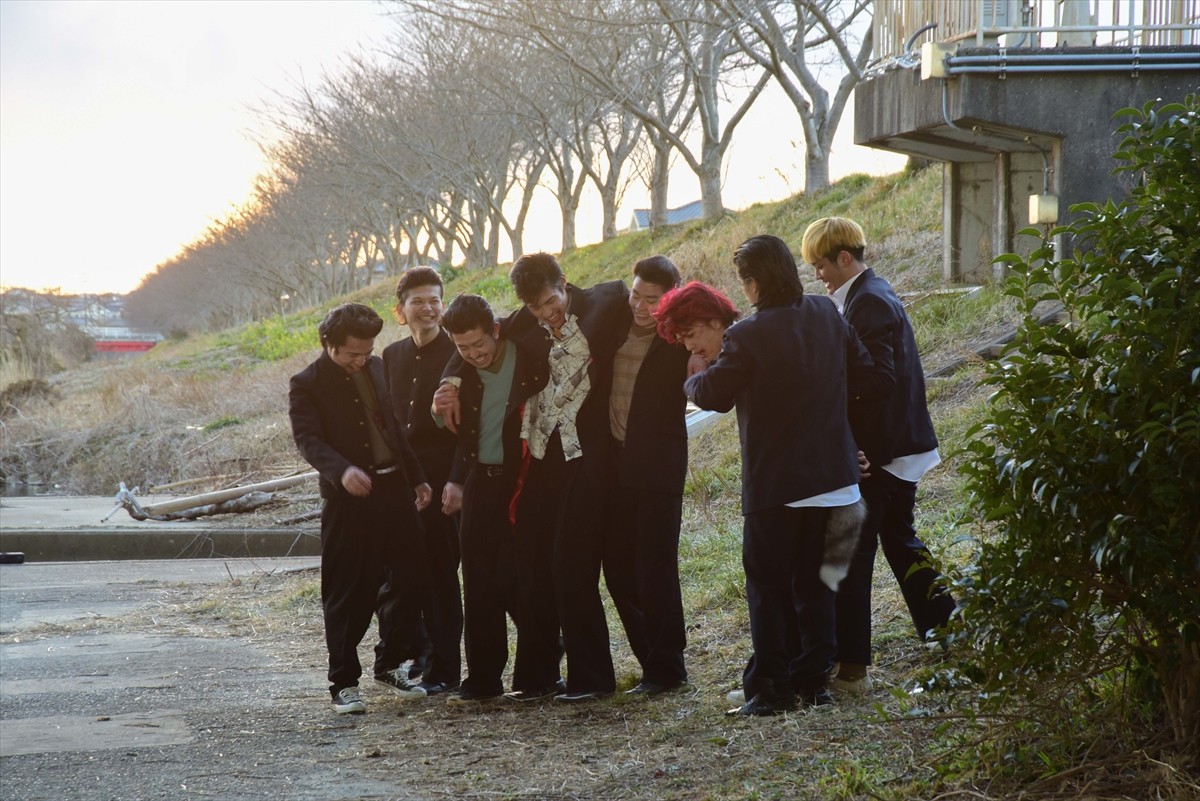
(491, 470)
(383, 471)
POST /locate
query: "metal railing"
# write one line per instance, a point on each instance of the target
(898, 24)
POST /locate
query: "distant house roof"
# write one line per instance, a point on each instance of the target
(692, 211)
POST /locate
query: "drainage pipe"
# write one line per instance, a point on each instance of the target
(1084, 58)
(1134, 67)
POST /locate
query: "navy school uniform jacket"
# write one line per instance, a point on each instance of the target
(897, 423)
(787, 369)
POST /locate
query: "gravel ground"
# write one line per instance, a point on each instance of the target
(201, 690)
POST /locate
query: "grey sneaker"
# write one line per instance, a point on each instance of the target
(399, 682)
(348, 701)
(859, 686)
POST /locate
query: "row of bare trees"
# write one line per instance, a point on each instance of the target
(433, 148)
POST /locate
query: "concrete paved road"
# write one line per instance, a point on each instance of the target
(105, 712)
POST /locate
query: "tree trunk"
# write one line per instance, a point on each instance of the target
(608, 203)
(569, 207)
(710, 182)
(816, 169)
(660, 182)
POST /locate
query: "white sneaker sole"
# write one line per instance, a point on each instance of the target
(350, 709)
(415, 692)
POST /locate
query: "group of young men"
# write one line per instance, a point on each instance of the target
(547, 448)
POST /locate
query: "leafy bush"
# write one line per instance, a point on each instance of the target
(1086, 469)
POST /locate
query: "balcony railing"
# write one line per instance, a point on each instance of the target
(901, 25)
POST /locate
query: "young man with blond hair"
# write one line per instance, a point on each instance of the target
(896, 433)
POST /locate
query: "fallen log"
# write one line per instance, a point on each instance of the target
(246, 503)
(127, 499)
(218, 496)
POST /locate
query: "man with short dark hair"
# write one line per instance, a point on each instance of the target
(896, 433)
(497, 380)
(566, 426)
(414, 366)
(648, 464)
(342, 422)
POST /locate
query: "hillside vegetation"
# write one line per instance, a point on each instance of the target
(215, 405)
(214, 408)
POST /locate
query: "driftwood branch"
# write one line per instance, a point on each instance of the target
(219, 502)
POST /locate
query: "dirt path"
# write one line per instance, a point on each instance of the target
(200, 690)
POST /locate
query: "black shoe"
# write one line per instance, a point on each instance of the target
(538, 694)
(580, 697)
(818, 697)
(758, 706)
(464, 696)
(651, 689)
(438, 687)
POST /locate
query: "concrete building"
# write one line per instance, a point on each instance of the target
(1016, 98)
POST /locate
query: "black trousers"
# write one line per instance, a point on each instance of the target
(368, 544)
(489, 577)
(641, 571)
(561, 519)
(890, 503)
(442, 607)
(791, 609)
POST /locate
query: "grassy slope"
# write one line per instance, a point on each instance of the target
(215, 406)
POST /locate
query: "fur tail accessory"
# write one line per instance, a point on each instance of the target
(842, 534)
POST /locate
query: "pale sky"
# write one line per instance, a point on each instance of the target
(124, 129)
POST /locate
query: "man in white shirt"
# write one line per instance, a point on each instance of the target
(897, 435)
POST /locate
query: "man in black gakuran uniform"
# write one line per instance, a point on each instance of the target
(342, 422)
(413, 366)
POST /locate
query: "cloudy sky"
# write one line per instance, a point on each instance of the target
(125, 128)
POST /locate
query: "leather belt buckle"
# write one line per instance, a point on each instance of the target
(383, 471)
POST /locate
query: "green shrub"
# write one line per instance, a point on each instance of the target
(1086, 469)
(276, 338)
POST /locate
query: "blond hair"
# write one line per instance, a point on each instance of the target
(830, 235)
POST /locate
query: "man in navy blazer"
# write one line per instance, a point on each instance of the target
(789, 369)
(896, 433)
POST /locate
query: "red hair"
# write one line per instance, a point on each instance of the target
(692, 303)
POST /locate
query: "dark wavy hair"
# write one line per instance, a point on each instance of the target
(466, 313)
(694, 302)
(768, 260)
(533, 274)
(349, 320)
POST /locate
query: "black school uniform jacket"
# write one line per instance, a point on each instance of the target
(329, 424)
(655, 453)
(413, 375)
(600, 311)
(530, 375)
(896, 423)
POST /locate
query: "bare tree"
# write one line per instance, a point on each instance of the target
(793, 40)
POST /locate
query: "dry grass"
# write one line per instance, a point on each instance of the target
(197, 410)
